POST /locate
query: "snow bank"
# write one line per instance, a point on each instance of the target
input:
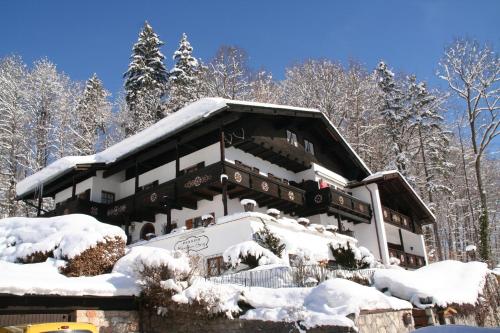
(138, 256)
(235, 253)
(327, 304)
(447, 282)
(67, 236)
(45, 279)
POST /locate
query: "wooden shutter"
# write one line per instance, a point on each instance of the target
(189, 224)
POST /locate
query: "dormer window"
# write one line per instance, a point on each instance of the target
(291, 137)
(309, 147)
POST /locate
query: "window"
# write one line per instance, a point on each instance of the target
(291, 137)
(196, 222)
(309, 147)
(107, 197)
(215, 266)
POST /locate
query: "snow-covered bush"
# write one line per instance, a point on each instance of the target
(351, 257)
(210, 300)
(267, 239)
(249, 253)
(89, 246)
(159, 272)
(25, 239)
(96, 260)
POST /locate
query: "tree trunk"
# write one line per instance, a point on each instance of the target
(484, 235)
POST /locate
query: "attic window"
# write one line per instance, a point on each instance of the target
(291, 137)
(309, 147)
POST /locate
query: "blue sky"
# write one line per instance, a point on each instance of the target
(83, 37)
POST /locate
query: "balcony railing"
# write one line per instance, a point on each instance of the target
(407, 259)
(205, 182)
(333, 201)
(396, 218)
(80, 206)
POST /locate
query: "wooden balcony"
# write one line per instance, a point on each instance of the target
(395, 218)
(407, 259)
(204, 183)
(79, 206)
(331, 201)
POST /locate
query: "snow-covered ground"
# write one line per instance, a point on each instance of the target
(327, 304)
(446, 282)
(67, 236)
(45, 279)
(456, 329)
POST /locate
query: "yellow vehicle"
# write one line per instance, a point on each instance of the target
(63, 327)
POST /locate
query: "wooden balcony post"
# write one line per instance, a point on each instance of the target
(136, 174)
(40, 203)
(73, 189)
(169, 218)
(126, 220)
(223, 179)
(403, 246)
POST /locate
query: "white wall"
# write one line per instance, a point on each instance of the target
(367, 233)
(80, 188)
(413, 243)
(330, 177)
(264, 166)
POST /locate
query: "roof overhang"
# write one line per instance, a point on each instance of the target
(395, 190)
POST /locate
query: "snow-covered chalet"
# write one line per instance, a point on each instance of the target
(203, 159)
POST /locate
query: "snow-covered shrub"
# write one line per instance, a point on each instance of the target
(31, 240)
(159, 272)
(96, 260)
(267, 239)
(351, 258)
(249, 253)
(206, 299)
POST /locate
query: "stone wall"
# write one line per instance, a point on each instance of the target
(110, 321)
(385, 321)
(181, 322)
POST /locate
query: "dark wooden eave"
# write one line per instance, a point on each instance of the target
(397, 194)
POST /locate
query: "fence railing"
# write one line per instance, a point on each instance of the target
(288, 277)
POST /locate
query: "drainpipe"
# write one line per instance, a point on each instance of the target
(375, 218)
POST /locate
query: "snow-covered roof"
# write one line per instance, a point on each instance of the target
(187, 116)
(380, 176)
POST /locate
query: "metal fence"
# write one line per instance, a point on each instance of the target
(288, 277)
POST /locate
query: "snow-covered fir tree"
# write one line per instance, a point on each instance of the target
(397, 119)
(184, 82)
(92, 114)
(145, 80)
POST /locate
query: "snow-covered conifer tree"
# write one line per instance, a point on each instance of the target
(184, 82)
(145, 80)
